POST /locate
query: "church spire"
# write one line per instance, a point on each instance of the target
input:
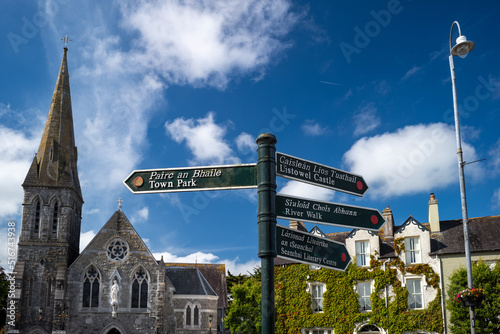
(55, 164)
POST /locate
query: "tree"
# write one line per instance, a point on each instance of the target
(244, 314)
(232, 280)
(4, 290)
(487, 320)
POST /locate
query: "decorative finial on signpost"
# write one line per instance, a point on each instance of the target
(66, 40)
(120, 201)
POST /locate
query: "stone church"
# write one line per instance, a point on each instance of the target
(115, 285)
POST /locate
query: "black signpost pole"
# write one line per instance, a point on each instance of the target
(266, 192)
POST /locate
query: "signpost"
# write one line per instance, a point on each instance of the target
(275, 240)
(192, 179)
(327, 213)
(319, 175)
(306, 248)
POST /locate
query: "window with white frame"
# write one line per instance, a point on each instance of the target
(364, 292)
(363, 253)
(317, 290)
(317, 331)
(414, 287)
(412, 249)
(490, 263)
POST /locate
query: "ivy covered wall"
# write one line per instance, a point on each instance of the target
(340, 300)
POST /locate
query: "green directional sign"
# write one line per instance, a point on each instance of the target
(307, 248)
(319, 175)
(192, 179)
(327, 213)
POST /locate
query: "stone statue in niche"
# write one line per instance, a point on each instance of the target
(115, 289)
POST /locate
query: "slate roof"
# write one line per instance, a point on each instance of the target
(189, 281)
(339, 236)
(387, 250)
(484, 236)
(215, 274)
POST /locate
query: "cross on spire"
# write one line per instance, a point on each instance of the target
(66, 40)
(120, 201)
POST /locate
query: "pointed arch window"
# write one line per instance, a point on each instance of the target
(30, 292)
(91, 284)
(188, 315)
(140, 289)
(36, 227)
(49, 290)
(51, 152)
(193, 315)
(196, 316)
(55, 218)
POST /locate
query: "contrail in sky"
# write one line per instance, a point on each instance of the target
(330, 83)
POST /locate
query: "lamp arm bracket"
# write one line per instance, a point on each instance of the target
(472, 162)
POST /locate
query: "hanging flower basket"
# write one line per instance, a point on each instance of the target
(471, 297)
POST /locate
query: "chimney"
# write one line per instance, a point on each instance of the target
(389, 223)
(297, 225)
(434, 214)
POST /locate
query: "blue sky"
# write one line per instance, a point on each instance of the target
(362, 86)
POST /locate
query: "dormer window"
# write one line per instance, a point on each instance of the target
(363, 253)
(412, 250)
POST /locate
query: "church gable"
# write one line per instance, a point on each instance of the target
(117, 249)
(118, 238)
(115, 278)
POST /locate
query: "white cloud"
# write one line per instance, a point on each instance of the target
(4, 251)
(366, 119)
(494, 158)
(204, 138)
(305, 190)
(141, 215)
(112, 105)
(114, 125)
(207, 42)
(86, 238)
(246, 143)
(234, 266)
(411, 72)
(496, 199)
(198, 257)
(382, 87)
(120, 81)
(17, 150)
(91, 212)
(313, 128)
(413, 159)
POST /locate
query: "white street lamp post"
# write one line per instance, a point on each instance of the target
(461, 49)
